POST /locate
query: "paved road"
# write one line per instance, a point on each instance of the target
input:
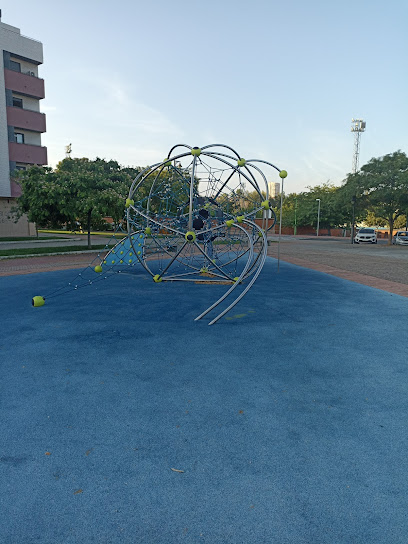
(378, 260)
(377, 265)
(59, 241)
(380, 265)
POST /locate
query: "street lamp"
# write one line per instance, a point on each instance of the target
(295, 228)
(318, 217)
(353, 202)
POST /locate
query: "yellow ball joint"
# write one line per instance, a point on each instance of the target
(157, 278)
(196, 151)
(98, 268)
(38, 301)
(283, 174)
(241, 162)
(129, 202)
(240, 218)
(148, 230)
(190, 236)
(265, 205)
(229, 223)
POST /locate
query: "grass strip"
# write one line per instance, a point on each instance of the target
(44, 250)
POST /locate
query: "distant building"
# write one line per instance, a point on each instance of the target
(21, 123)
(274, 189)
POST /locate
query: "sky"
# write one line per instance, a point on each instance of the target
(278, 81)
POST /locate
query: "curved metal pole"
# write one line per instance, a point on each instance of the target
(221, 145)
(264, 162)
(224, 296)
(175, 147)
(249, 284)
(263, 177)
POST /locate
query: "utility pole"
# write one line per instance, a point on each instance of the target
(357, 126)
(318, 217)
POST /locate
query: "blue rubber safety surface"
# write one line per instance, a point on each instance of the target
(288, 418)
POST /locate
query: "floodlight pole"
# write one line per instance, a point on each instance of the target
(318, 217)
(357, 126)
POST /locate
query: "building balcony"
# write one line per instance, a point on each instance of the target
(27, 154)
(24, 84)
(26, 119)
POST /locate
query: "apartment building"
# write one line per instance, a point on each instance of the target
(274, 189)
(21, 122)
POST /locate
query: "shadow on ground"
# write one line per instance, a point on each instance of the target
(287, 418)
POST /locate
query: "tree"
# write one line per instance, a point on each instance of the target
(302, 209)
(353, 200)
(399, 223)
(382, 184)
(92, 189)
(40, 199)
(78, 189)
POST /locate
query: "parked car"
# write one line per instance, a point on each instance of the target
(367, 235)
(401, 238)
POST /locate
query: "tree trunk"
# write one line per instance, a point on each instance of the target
(391, 223)
(89, 229)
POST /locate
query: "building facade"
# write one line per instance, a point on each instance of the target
(21, 122)
(274, 189)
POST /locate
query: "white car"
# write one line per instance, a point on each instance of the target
(401, 238)
(366, 235)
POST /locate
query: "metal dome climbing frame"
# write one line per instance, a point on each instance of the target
(192, 218)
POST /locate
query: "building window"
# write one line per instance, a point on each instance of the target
(19, 138)
(15, 66)
(21, 167)
(17, 102)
